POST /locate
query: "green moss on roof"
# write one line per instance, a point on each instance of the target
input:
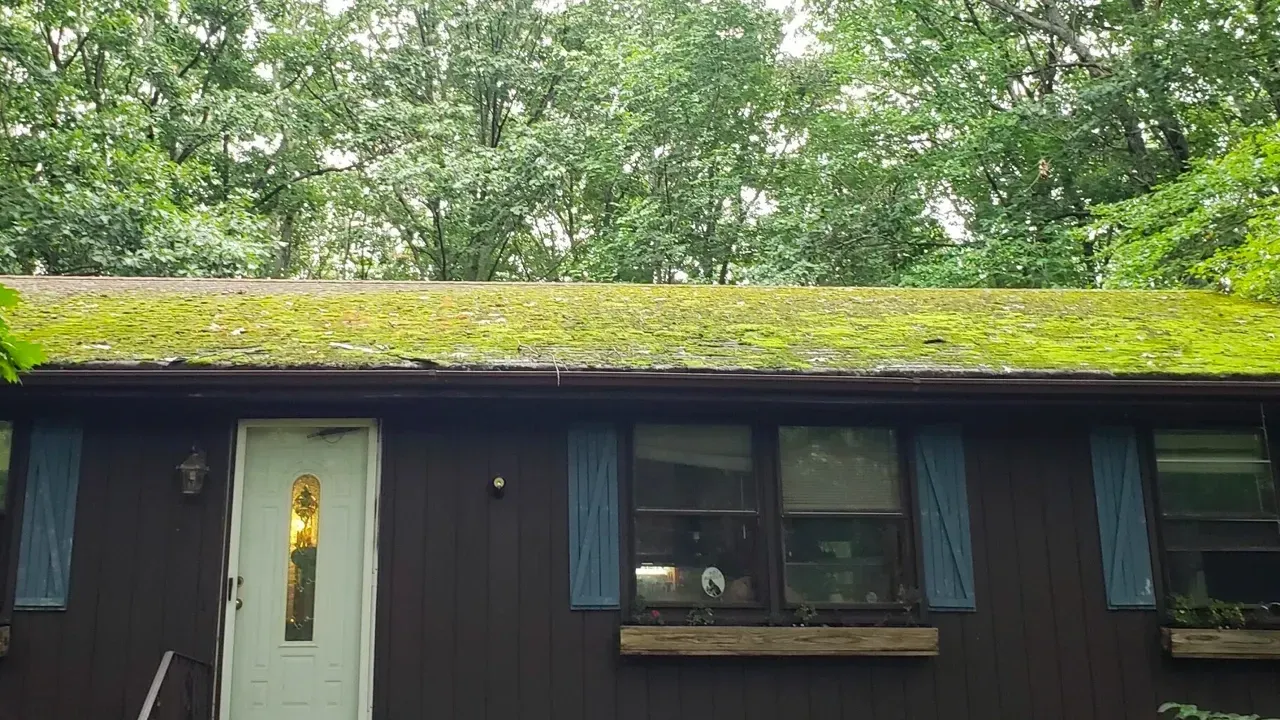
(828, 330)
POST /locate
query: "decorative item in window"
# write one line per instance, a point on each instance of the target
(192, 472)
(1219, 525)
(843, 515)
(304, 542)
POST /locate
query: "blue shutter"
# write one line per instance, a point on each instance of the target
(1122, 518)
(48, 517)
(944, 518)
(593, 518)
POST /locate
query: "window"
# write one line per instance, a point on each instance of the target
(304, 545)
(1218, 515)
(696, 515)
(709, 519)
(842, 514)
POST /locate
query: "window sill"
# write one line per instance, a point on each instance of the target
(639, 640)
(1231, 644)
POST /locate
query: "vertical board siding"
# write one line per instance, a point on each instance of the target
(1122, 518)
(146, 575)
(48, 517)
(1041, 644)
(943, 500)
(474, 616)
(593, 518)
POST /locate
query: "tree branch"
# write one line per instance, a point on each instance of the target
(262, 201)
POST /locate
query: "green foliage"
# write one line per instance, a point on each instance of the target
(16, 356)
(642, 614)
(1191, 712)
(806, 615)
(1217, 224)
(950, 143)
(700, 615)
(1187, 612)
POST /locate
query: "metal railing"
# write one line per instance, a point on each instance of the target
(182, 689)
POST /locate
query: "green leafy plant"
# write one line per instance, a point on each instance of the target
(16, 356)
(700, 615)
(1187, 612)
(642, 614)
(1191, 712)
(909, 602)
(806, 615)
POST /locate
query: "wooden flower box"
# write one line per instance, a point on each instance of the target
(1224, 644)
(778, 641)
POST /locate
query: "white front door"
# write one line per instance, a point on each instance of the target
(298, 617)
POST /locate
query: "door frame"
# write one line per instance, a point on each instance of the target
(369, 592)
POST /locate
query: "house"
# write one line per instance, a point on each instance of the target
(282, 499)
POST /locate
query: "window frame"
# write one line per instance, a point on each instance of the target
(771, 604)
(761, 577)
(1156, 517)
(11, 516)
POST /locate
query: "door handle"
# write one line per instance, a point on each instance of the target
(239, 584)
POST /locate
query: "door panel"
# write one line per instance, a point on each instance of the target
(296, 649)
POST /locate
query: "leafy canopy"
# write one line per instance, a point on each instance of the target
(998, 143)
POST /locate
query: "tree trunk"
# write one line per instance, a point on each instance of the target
(284, 249)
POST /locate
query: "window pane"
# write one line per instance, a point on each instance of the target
(1201, 445)
(1214, 473)
(694, 467)
(6, 442)
(304, 537)
(1248, 577)
(847, 560)
(845, 469)
(1221, 535)
(695, 559)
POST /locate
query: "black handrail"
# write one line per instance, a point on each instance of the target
(184, 693)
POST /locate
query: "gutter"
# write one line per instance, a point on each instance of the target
(374, 382)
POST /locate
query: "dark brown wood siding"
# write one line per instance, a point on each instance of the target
(473, 617)
(145, 574)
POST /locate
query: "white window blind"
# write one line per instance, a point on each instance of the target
(725, 447)
(839, 469)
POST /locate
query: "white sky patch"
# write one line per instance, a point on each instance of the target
(335, 158)
(797, 38)
(943, 209)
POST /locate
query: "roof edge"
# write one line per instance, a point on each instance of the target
(384, 380)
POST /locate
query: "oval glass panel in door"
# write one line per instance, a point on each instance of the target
(304, 542)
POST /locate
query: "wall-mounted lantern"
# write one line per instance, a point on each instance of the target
(192, 472)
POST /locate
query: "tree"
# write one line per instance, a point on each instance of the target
(16, 356)
(918, 142)
(1217, 225)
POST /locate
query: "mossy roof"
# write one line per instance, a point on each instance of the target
(853, 331)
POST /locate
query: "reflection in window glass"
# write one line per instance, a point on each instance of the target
(1218, 515)
(695, 559)
(832, 469)
(842, 514)
(841, 560)
(304, 536)
(694, 467)
(695, 522)
(6, 442)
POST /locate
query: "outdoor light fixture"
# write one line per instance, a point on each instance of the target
(192, 472)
